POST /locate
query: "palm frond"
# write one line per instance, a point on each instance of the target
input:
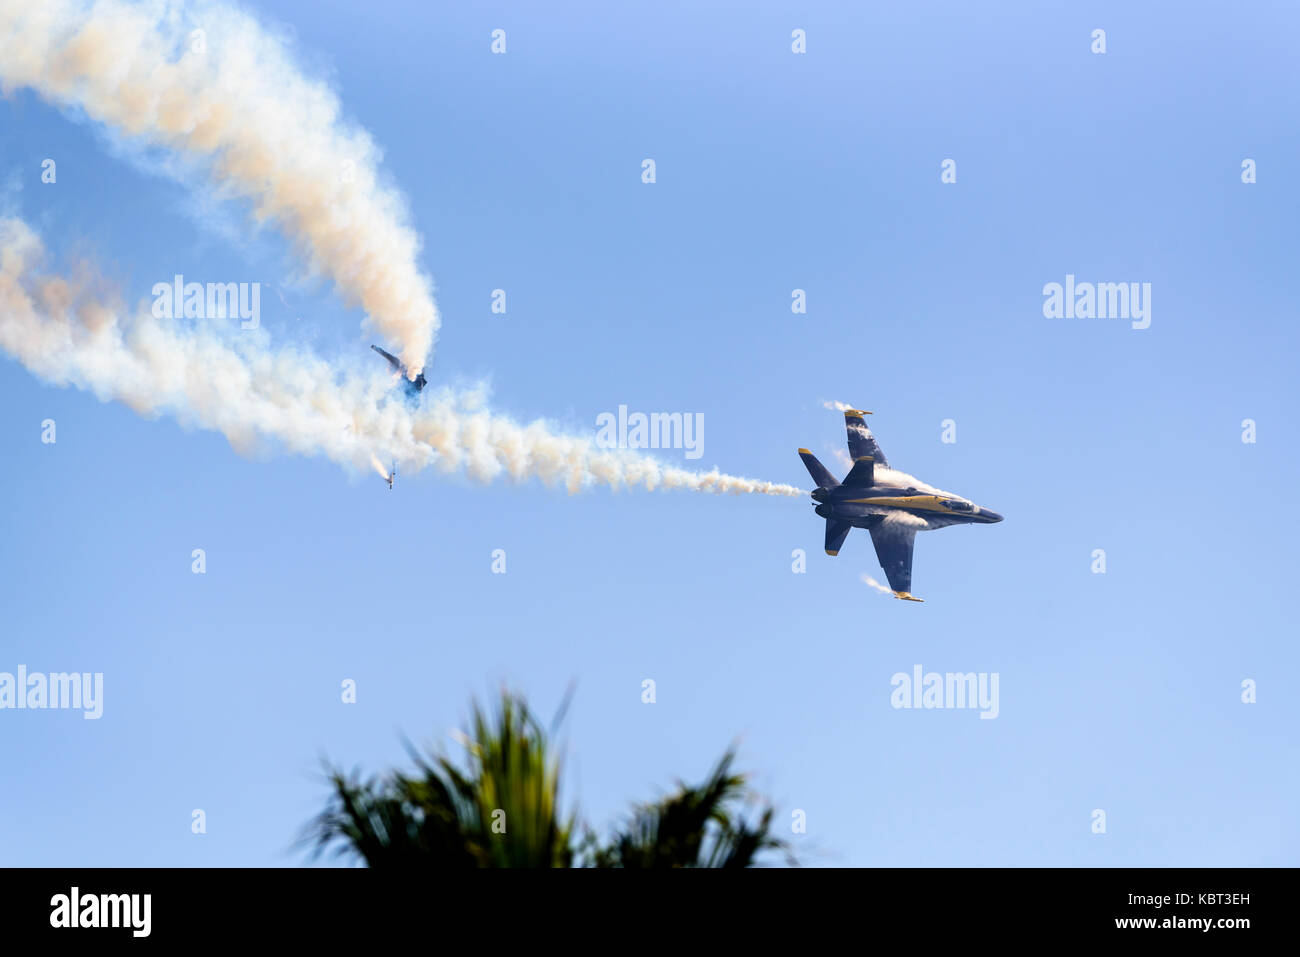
(500, 807)
(695, 827)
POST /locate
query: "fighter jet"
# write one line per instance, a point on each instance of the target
(412, 386)
(392, 477)
(874, 497)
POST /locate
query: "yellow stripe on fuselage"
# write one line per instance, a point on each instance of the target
(924, 503)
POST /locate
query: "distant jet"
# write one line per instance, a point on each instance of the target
(412, 386)
(392, 477)
(893, 513)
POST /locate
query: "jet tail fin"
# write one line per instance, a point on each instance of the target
(821, 475)
(863, 473)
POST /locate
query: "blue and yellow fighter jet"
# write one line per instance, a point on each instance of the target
(874, 497)
(412, 386)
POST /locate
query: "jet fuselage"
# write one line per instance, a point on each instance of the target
(865, 507)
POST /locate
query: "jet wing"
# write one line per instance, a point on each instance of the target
(894, 550)
(836, 531)
(862, 444)
(392, 359)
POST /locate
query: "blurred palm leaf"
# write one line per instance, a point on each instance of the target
(502, 809)
(695, 827)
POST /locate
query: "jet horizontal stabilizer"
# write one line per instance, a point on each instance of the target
(836, 532)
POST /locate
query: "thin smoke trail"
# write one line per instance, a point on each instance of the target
(68, 332)
(871, 583)
(209, 83)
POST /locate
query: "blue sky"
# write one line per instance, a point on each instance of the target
(775, 171)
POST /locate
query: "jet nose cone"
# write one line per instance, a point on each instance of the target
(989, 515)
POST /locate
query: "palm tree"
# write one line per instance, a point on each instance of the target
(695, 827)
(502, 809)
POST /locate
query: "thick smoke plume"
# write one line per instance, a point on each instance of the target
(209, 83)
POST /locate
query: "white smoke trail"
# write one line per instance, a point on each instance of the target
(68, 332)
(208, 82)
(839, 406)
(872, 583)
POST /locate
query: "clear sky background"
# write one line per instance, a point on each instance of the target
(775, 171)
